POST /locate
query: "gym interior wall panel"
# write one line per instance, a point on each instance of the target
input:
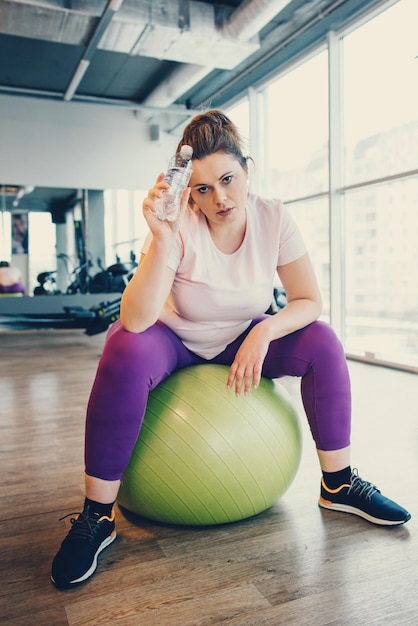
(65, 144)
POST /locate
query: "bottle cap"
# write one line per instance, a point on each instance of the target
(186, 152)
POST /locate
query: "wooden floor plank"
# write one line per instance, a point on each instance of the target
(211, 608)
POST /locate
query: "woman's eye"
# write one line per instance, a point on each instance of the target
(202, 189)
(227, 179)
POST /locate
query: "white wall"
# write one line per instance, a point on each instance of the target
(65, 144)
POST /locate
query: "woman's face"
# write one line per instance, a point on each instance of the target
(219, 187)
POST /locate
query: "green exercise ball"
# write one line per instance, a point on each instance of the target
(205, 456)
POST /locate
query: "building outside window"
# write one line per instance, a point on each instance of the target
(380, 103)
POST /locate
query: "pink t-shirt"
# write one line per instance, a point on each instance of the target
(215, 295)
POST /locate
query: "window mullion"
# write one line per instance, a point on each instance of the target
(336, 205)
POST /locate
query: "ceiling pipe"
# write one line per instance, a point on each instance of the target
(107, 15)
(243, 23)
(251, 17)
(177, 109)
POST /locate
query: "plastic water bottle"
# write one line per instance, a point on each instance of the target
(177, 176)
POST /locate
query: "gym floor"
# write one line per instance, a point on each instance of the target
(295, 564)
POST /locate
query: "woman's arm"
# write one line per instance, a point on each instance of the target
(303, 307)
(148, 289)
(304, 302)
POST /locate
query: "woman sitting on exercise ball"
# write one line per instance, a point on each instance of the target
(199, 296)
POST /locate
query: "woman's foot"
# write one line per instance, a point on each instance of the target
(364, 499)
(76, 560)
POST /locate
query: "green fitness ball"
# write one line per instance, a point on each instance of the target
(205, 456)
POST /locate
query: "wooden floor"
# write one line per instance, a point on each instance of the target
(293, 565)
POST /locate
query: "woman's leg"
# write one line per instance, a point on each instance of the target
(130, 367)
(314, 354)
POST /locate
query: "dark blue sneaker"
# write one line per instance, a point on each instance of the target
(364, 499)
(76, 560)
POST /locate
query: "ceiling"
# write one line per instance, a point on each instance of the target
(161, 57)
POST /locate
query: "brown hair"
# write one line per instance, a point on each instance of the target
(213, 132)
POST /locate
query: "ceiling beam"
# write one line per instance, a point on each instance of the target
(107, 15)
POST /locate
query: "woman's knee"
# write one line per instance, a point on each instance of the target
(323, 340)
(121, 344)
(153, 353)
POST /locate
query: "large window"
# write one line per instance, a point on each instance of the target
(381, 268)
(240, 115)
(125, 225)
(297, 127)
(380, 93)
(312, 218)
(297, 156)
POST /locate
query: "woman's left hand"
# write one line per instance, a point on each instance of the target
(247, 365)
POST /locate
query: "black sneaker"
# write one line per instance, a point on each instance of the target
(76, 560)
(363, 499)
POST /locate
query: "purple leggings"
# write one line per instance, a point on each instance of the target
(15, 288)
(133, 364)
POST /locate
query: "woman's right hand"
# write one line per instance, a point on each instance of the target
(149, 287)
(162, 229)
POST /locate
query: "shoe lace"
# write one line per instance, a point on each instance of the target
(83, 526)
(361, 487)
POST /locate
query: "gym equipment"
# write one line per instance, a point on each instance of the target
(93, 320)
(205, 456)
(46, 284)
